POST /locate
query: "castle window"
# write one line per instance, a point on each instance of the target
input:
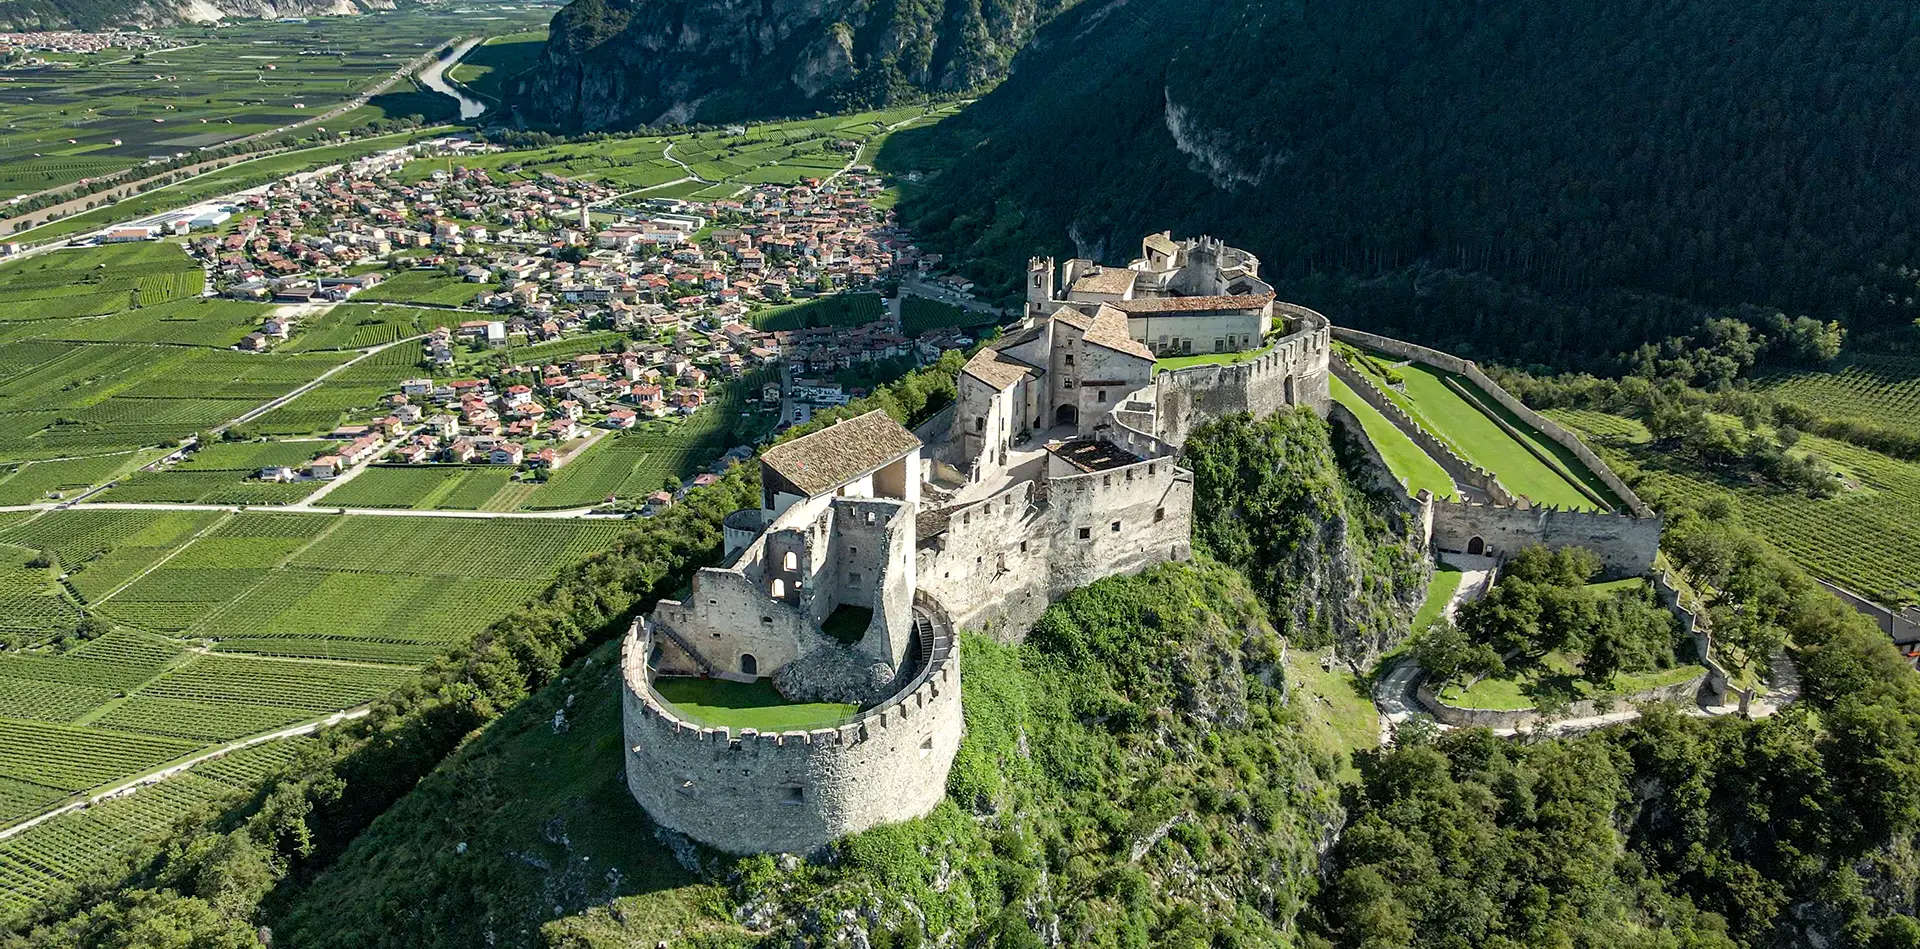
(1219, 345)
(1086, 533)
(1116, 527)
(980, 424)
(1067, 384)
(854, 578)
(748, 664)
(712, 602)
(853, 551)
(764, 621)
(790, 561)
(1102, 396)
(1159, 514)
(792, 794)
(926, 747)
(1023, 546)
(1150, 467)
(966, 518)
(779, 588)
(1106, 481)
(1069, 359)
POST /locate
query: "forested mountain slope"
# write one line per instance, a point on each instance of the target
(620, 63)
(1711, 151)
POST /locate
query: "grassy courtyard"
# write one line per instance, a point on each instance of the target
(1209, 359)
(746, 704)
(1405, 459)
(1440, 589)
(1555, 671)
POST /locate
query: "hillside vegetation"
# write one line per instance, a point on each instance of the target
(1641, 164)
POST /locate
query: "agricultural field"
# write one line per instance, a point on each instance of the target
(920, 315)
(112, 111)
(487, 68)
(359, 326)
(1879, 388)
(423, 487)
(1460, 415)
(422, 286)
(839, 309)
(37, 481)
(294, 615)
(1866, 538)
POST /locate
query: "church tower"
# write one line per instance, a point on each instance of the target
(1039, 285)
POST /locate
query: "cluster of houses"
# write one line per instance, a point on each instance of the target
(77, 41)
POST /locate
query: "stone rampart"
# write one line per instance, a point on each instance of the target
(1462, 471)
(1901, 626)
(746, 791)
(1292, 371)
(1694, 625)
(1626, 545)
(1416, 505)
(1548, 427)
(1000, 561)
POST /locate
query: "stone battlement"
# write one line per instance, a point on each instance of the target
(1465, 474)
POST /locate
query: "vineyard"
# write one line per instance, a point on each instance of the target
(1884, 389)
(357, 326)
(449, 487)
(45, 480)
(422, 286)
(920, 315)
(839, 309)
(1866, 538)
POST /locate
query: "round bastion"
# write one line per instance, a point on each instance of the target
(747, 791)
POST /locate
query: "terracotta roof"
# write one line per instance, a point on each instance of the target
(1194, 304)
(1109, 329)
(1073, 316)
(1162, 243)
(841, 452)
(996, 368)
(1115, 280)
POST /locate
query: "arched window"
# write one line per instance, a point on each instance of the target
(779, 590)
(791, 562)
(749, 665)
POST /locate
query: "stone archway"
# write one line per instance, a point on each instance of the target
(1477, 547)
(1067, 415)
(749, 665)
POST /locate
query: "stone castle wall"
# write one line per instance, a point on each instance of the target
(1548, 427)
(1003, 559)
(744, 791)
(1626, 545)
(1292, 372)
(1462, 471)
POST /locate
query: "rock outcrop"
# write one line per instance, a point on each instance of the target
(615, 64)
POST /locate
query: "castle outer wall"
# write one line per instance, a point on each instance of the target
(744, 791)
(1292, 372)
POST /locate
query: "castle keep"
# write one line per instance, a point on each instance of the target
(872, 546)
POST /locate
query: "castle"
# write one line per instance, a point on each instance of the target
(872, 546)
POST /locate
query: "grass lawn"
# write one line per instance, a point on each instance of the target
(847, 625)
(1440, 589)
(1476, 437)
(1209, 359)
(746, 705)
(1512, 692)
(1612, 586)
(1344, 717)
(1405, 459)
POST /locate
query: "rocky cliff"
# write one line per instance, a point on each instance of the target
(622, 63)
(147, 14)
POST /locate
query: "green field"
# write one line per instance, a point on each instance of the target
(363, 326)
(1440, 591)
(487, 68)
(1879, 388)
(1463, 417)
(423, 487)
(839, 309)
(919, 315)
(1866, 538)
(423, 286)
(1408, 461)
(108, 112)
(1515, 692)
(746, 705)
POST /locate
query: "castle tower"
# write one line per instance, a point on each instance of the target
(1039, 285)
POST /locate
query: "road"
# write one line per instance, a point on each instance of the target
(272, 404)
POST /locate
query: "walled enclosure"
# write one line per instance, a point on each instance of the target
(1293, 371)
(749, 792)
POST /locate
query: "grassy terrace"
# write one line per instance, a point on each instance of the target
(1457, 420)
(1516, 692)
(746, 705)
(1440, 589)
(1405, 459)
(1209, 359)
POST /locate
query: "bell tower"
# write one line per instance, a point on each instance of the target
(1039, 285)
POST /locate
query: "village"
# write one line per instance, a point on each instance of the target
(687, 297)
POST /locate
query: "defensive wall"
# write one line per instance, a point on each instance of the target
(1416, 505)
(1292, 371)
(996, 564)
(1902, 627)
(1548, 427)
(746, 791)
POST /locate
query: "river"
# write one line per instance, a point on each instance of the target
(433, 77)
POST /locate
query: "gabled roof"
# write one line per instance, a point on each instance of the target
(839, 453)
(1114, 280)
(997, 369)
(1249, 301)
(1109, 329)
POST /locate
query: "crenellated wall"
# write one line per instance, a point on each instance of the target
(1001, 560)
(745, 791)
(1626, 545)
(1293, 371)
